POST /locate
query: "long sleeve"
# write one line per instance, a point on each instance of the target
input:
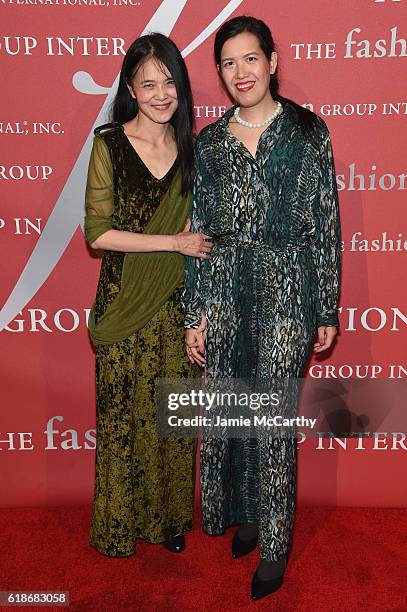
(326, 249)
(99, 192)
(192, 301)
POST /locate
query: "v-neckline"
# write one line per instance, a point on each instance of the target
(241, 144)
(159, 180)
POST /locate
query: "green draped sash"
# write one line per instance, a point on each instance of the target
(148, 279)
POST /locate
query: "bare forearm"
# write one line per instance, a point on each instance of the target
(131, 242)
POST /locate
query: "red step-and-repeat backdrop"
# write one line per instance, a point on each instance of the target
(60, 59)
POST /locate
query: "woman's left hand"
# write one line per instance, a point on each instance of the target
(326, 336)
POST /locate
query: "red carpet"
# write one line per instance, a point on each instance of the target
(343, 559)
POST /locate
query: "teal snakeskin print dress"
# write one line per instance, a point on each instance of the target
(144, 485)
(272, 279)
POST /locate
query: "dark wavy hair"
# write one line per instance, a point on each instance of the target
(238, 25)
(124, 107)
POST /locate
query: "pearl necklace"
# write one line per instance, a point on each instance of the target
(258, 125)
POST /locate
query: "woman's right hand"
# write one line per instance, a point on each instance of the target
(195, 342)
(194, 244)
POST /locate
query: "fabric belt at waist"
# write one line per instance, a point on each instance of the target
(250, 244)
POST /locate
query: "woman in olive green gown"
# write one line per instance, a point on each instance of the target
(137, 204)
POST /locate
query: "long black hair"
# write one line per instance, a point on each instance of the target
(238, 25)
(125, 108)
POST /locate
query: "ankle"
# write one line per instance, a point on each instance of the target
(249, 531)
(268, 570)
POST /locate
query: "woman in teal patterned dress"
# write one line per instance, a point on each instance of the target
(265, 190)
(137, 202)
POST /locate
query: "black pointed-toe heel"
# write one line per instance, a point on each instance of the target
(175, 544)
(240, 548)
(262, 588)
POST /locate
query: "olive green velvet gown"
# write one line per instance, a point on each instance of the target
(144, 485)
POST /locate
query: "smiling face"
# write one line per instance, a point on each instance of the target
(245, 69)
(154, 90)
